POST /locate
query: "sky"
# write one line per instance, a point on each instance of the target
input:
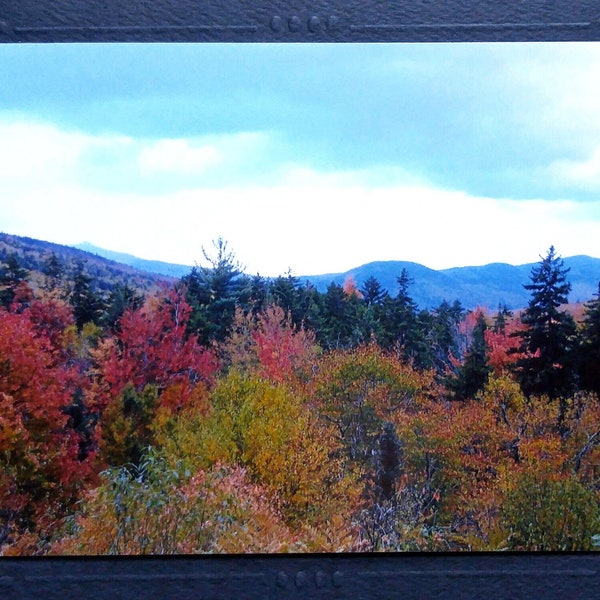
(304, 158)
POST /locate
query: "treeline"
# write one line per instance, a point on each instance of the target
(34, 255)
(230, 413)
(343, 317)
(555, 356)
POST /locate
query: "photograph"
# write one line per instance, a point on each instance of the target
(299, 298)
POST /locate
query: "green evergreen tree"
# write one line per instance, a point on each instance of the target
(443, 336)
(423, 353)
(258, 294)
(284, 291)
(341, 318)
(83, 421)
(214, 292)
(372, 292)
(121, 298)
(589, 350)
(501, 316)
(549, 338)
(399, 321)
(54, 273)
(374, 299)
(473, 373)
(310, 308)
(12, 275)
(87, 305)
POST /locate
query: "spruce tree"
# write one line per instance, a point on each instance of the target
(473, 373)
(501, 316)
(87, 305)
(54, 273)
(341, 315)
(400, 330)
(285, 292)
(548, 339)
(213, 292)
(589, 349)
(374, 299)
(12, 275)
(311, 308)
(443, 335)
(257, 294)
(121, 298)
(372, 292)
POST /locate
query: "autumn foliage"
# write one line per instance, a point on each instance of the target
(151, 348)
(125, 434)
(40, 473)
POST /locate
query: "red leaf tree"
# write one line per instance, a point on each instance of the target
(152, 348)
(40, 472)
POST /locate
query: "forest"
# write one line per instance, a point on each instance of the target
(227, 413)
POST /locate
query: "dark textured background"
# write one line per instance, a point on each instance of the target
(298, 20)
(447, 577)
(358, 577)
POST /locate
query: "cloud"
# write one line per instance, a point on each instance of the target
(36, 156)
(313, 228)
(32, 150)
(484, 118)
(280, 214)
(332, 223)
(583, 173)
(197, 155)
(178, 156)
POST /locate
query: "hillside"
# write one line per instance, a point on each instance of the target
(149, 266)
(33, 255)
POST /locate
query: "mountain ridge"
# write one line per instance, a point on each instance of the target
(486, 285)
(33, 255)
(143, 264)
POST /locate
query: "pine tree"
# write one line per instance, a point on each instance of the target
(589, 350)
(372, 292)
(87, 305)
(501, 316)
(373, 299)
(121, 298)
(284, 291)
(310, 308)
(54, 274)
(549, 336)
(401, 332)
(258, 294)
(213, 293)
(341, 319)
(443, 336)
(473, 373)
(12, 277)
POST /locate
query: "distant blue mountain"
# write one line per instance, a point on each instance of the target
(150, 266)
(486, 286)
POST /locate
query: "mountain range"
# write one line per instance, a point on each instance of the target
(486, 286)
(33, 255)
(142, 264)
